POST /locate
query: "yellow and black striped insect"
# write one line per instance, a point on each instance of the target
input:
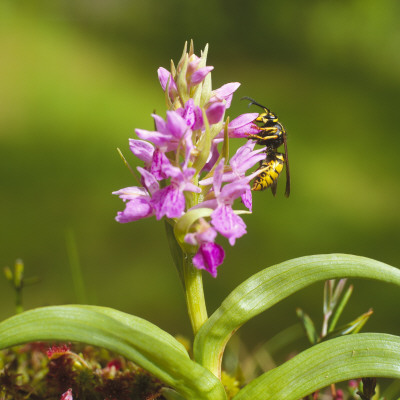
(271, 134)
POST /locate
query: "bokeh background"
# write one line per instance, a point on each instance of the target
(76, 79)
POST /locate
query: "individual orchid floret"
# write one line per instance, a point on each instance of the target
(209, 255)
(142, 150)
(223, 218)
(138, 199)
(67, 395)
(199, 75)
(170, 201)
(224, 93)
(159, 164)
(244, 159)
(170, 134)
(138, 204)
(243, 126)
(165, 77)
(193, 115)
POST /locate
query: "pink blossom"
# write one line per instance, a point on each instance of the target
(142, 150)
(199, 75)
(223, 218)
(138, 204)
(170, 134)
(170, 201)
(67, 395)
(209, 255)
(224, 93)
(243, 126)
(163, 76)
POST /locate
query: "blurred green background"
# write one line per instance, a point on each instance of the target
(76, 79)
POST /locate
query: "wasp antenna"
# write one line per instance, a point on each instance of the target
(252, 101)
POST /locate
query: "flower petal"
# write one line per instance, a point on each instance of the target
(142, 150)
(226, 90)
(199, 75)
(176, 125)
(157, 138)
(159, 165)
(227, 223)
(233, 190)
(168, 201)
(131, 192)
(247, 199)
(217, 182)
(243, 126)
(135, 209)
(149, 180)
(215, 112)
(209, 257)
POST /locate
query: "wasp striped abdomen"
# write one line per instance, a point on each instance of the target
(270, 170)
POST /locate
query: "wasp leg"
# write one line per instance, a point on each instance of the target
(268, 129)
(250, 136)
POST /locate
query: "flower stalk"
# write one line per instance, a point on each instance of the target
(194, 292)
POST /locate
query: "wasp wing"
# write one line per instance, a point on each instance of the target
(287, 190)
(273, 188)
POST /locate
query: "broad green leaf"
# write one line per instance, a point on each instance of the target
(136, 339)
(273, 284)
(171, 394)
(340, 359)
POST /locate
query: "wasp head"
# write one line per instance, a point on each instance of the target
(266, 117)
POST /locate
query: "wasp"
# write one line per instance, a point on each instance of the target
(272, 135)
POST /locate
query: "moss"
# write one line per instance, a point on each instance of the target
(92, 374)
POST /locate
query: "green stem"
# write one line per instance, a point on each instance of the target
(194, 294)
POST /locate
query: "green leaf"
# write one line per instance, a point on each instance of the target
(350, 328)
(339, 309)
(340, 359)
(308, 325)
(136, 339)
(170, 394)
(272, 285)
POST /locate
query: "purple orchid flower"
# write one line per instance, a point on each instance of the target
(244, 159)
(142, 150)
(199, 75)
(224, 93)
(223, 218)
(138, 199)
(194, 117)
(170, 134)
(163, 76)
(209, 255)
(170, 201)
